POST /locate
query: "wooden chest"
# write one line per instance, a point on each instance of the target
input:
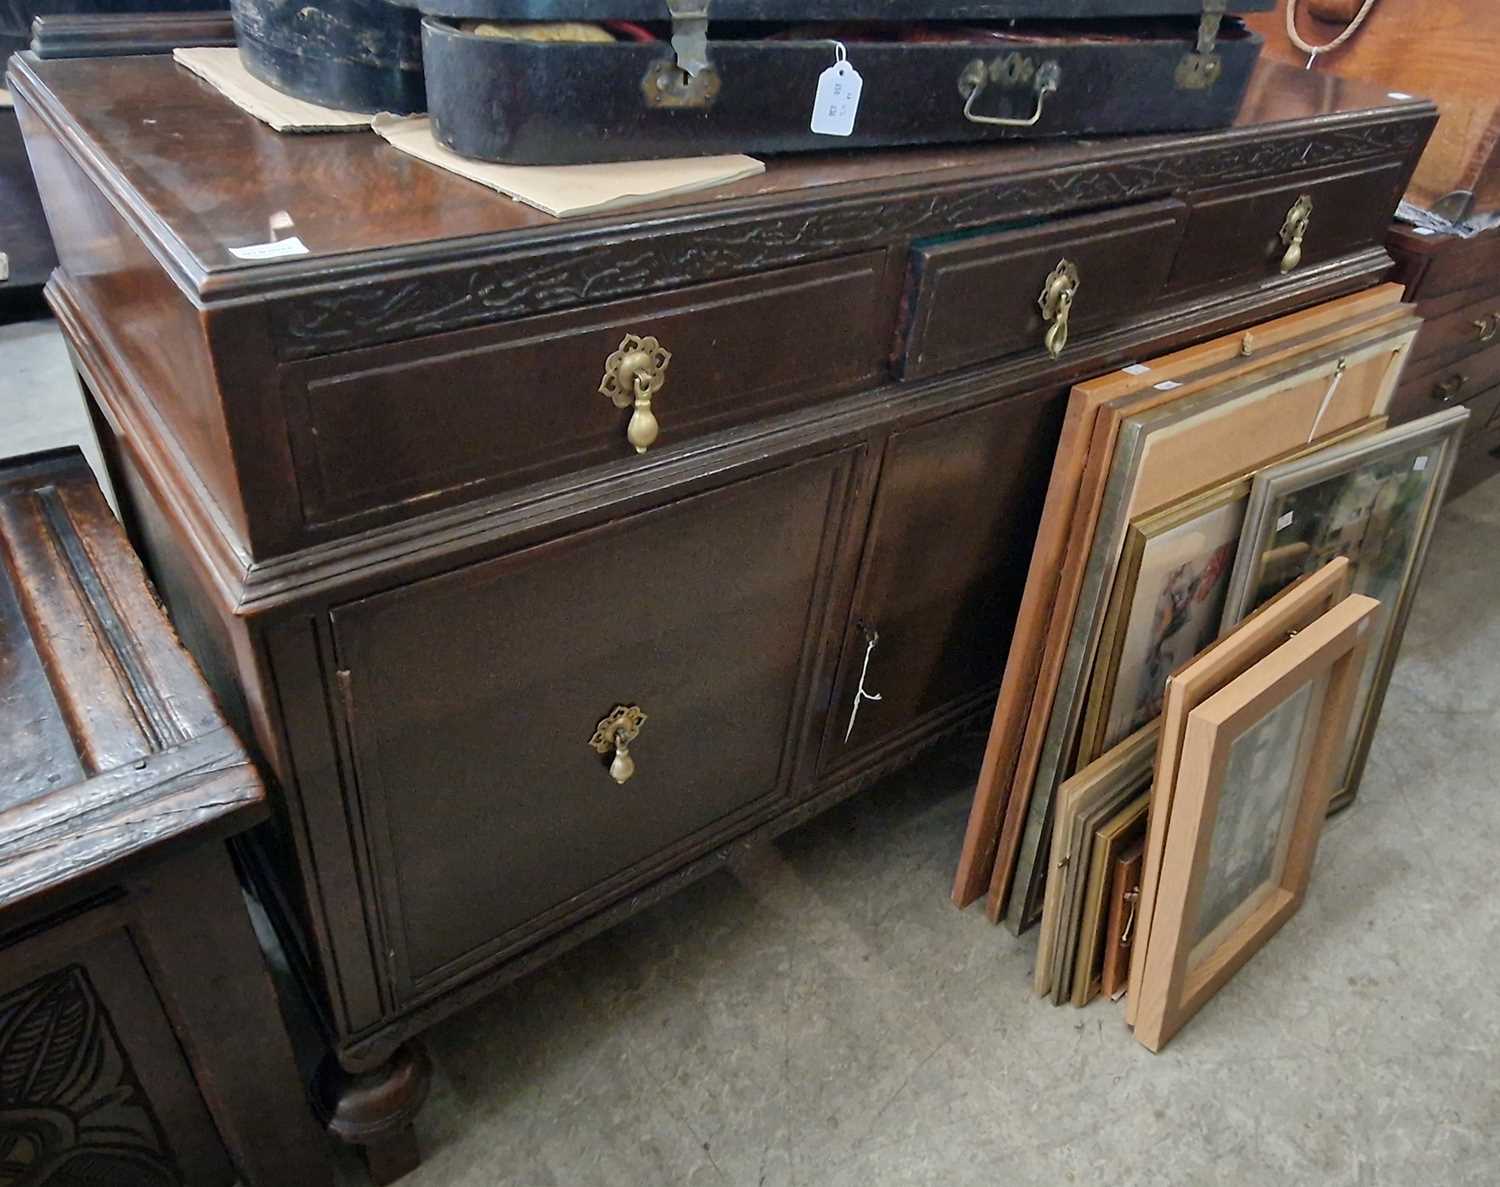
(140, 1041)
(391, 495)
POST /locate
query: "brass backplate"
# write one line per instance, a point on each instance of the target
(667, 85)
(622, 723)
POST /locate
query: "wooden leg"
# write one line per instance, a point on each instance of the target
(374, 1109)
(391, 1157)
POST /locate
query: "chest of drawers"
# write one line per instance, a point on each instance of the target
(1455, 284)
(415, 547)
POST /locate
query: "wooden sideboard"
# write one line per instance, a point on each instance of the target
(1455, 284)
(406, 534)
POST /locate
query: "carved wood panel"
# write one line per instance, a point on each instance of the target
(575, 269)
(72, 1111)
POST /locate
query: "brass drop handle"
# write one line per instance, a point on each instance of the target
(1294, 230)
(633, 374)
(1449, 390)
(1056, 304)
(1487, 326)
(1011, 70)
(615, 732)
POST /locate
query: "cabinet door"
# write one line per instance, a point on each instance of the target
(473, 696)
(945, 561)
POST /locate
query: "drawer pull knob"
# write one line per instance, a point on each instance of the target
(633, 374)
(1450, 389)
(1056, 303)
(1488, 326)
(1010, 71)
(615, 732)
(1294, 230)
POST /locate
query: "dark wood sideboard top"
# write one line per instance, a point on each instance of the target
(116, 753)
(197, 175)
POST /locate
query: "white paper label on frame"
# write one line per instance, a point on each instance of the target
(1136, 369)
(837, 101)
(1166, 385)
(278, 250)
(1398, 95)
(1420, 464)
(1285, 521)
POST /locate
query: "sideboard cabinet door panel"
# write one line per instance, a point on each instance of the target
(473, 696)
(950, 536)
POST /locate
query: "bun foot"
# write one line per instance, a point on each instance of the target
(374, 1110)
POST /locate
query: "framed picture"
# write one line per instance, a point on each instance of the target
(1122, 831)
(1002, 796)
(1124, 900)
(1087, 801)
(1258, 760)
(1167, 606)
(1374, 501)
(1229, 430)
(1168, 601)
(1293, 610)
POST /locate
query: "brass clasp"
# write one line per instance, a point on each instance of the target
(1293, 230)
(633, 374)
(615, 732)
(1056, 303)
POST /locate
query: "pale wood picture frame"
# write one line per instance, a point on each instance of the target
(1183, 968)
(996, 817)
(1293, 610)
(1164, 453)
(1432, 443)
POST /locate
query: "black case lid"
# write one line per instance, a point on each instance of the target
(829, 10)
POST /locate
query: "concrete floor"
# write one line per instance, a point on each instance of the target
(822, 1016)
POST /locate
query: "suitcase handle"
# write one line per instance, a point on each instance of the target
(1011, 69)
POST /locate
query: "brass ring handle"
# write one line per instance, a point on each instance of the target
(1487, 326)
(633, 374)
(1448, 391)
(1056, 304)
(1012, 68)
(616, 730)
(1294, 230)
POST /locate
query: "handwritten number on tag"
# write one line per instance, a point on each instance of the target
(837, 101)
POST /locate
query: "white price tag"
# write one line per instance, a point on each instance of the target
(1166, 385)
(1285, 521)
(837, 101)
(1420, 463)
(279, 249)
(1136, 369)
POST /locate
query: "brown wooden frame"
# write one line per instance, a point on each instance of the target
(1332, 647)
(1295, 608)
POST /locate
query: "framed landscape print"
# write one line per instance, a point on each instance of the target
(1257, 764)
(1293, 610)
(1373, 500)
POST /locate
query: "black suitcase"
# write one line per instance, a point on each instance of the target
(692, 77)
(356, 55)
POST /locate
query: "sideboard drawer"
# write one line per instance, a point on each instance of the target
(1458, 334)
(1460, 382)
(424, 422)
(1235, 231)
(472, 697)
(974, 297)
